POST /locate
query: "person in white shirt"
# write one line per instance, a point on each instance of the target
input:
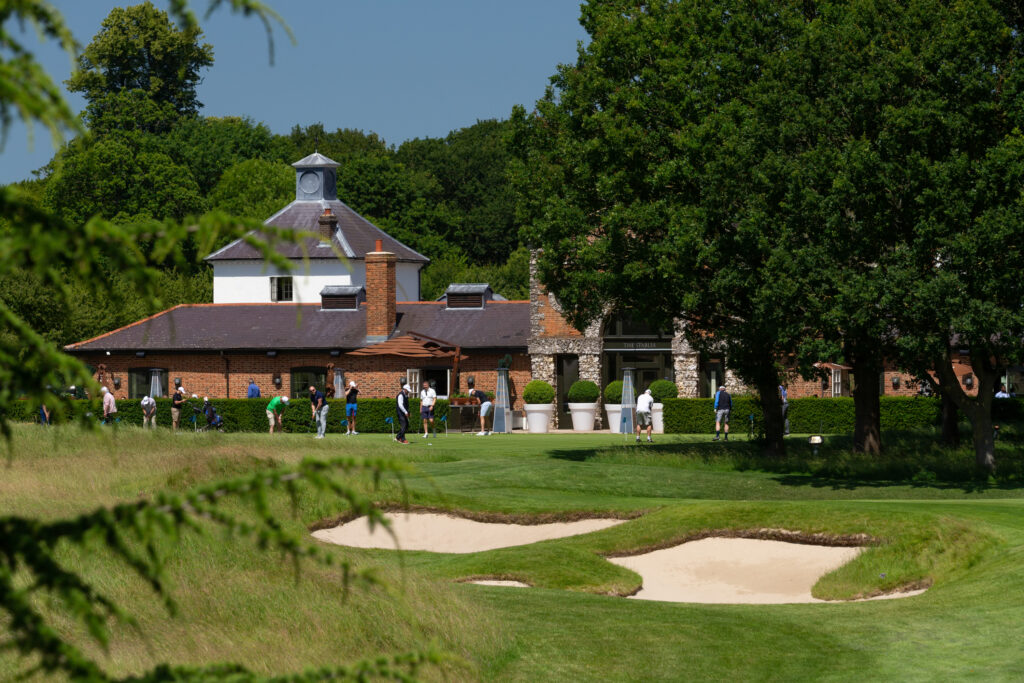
(1002, 393)
(428, 397)
(643, 415)
(148, 412)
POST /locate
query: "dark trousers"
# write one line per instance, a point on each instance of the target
(403, 426)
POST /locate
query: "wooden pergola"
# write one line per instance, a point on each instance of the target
(417, 346)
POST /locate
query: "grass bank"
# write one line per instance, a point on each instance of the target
(964, 537)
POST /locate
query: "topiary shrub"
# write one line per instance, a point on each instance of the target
(662, 389)
(538, 391)
(613, 392)
(583, 391)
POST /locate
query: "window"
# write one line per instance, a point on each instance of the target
(348, 302)
(711, 377)
(302, 378)
(280, 289)
(841, 383)
(438, 378)
(465, 300)
(147, 382)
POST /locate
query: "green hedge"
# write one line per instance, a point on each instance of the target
(824, 415)
(697, 415)
(682, 415)
(249, 415)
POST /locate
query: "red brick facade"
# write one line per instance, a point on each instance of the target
(227, 376)
(550, 320)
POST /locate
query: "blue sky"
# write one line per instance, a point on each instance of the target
(401, 68)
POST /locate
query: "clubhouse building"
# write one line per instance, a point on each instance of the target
(351, 310)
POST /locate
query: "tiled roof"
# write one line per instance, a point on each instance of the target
(354, 237)
(264, 327)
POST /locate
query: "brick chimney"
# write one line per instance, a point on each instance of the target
(328, 223)
(381, 293)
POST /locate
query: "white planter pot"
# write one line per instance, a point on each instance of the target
(583, 416)
(614, 411)
(658, 418)
(538, 417)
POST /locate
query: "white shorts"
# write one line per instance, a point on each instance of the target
(485, 408)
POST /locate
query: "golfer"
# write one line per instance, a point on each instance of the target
(109, 406)
(351, 407)
(148, 412)
(485, 407)
(177, 401)
(402, 407)
(723, 406)
(275, 409)
(318, 404)
(428, 397)
(644, 404)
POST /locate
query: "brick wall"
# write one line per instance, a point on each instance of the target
(227, 376)
(908, 386)
(380, 293)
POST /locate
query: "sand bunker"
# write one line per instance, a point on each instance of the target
(500, 582)
(736, 570)
(443, 534)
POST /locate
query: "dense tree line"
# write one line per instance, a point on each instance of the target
(797, 181)
(147, 154)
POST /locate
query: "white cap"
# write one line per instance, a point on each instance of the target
(284, 398)
(194, 396)
(181, 390)
(72, 387)
(352, 384)
(648, 392)
(406, 387)
(206, 399)
(104, 390)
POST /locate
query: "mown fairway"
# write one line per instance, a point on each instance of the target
(938, 525)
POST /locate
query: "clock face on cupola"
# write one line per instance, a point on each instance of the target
(316, 178)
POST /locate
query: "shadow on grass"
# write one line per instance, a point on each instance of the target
(913, 459)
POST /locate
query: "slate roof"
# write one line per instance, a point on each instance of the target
(342, 290)
(354, 237)
(281, 327)
(315, 160)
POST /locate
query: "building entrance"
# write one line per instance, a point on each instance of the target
(632, 344)
(567, 372)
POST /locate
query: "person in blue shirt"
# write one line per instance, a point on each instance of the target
(254, 389)
(723, 406)
(784, 395)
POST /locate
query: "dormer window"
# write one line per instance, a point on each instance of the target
(471, 295)
(341, 297)
(281, 289)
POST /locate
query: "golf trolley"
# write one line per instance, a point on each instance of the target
(204, 421)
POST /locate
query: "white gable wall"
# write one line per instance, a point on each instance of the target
(245, 282)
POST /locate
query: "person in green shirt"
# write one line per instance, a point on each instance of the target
(275, 409)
